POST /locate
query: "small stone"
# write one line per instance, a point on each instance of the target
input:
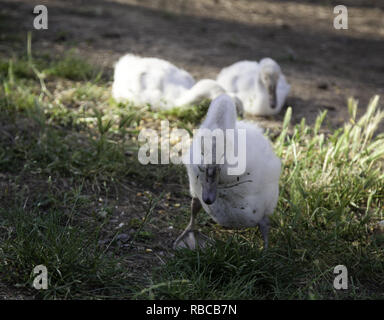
(123, 237)
(102, 213)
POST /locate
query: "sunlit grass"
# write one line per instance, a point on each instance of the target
(331, 199)
(60, 126)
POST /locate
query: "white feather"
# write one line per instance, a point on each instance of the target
(159, 83)
(243, 79)
(245, 203)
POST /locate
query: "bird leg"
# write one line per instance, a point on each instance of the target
(188, 239)
(264, 229)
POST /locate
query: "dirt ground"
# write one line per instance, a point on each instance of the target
(324, 66)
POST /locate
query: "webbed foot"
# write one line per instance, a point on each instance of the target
(191, 240)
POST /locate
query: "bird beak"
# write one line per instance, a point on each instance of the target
(209, 186)
(209, 193)
(272, 95)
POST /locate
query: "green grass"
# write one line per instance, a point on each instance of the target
(331, 198)
(73, 68)
(68, 159)
(69, 66)
(77, 265)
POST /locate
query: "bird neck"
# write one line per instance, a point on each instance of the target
(221, 115)
(204, 89)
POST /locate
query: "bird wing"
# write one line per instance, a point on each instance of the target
(239, 77)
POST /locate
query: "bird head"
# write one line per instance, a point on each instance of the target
(269, 76)
(209, 181)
